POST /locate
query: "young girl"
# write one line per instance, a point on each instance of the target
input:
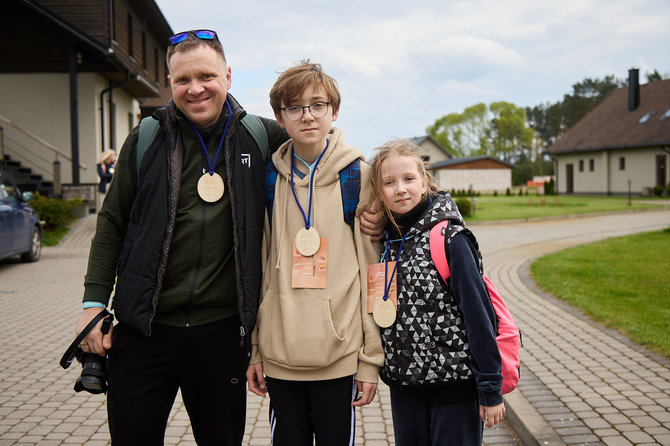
(441, 359)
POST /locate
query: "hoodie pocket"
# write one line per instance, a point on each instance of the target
(298, 332)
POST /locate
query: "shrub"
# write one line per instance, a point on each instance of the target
(549, 187)
(658, 190)
(56, 213)
(508, 192)
(465, 206)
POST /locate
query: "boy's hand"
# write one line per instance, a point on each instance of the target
(492, 415)
(256, 379)
(373, 221)
(367, 392)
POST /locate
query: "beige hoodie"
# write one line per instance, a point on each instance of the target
(306, 334)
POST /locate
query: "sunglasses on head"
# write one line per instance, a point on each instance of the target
(204, 34)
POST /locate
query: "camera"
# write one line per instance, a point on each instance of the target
(93, 377)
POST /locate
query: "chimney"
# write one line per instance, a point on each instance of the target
(633, 89)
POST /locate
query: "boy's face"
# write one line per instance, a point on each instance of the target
(308, 133)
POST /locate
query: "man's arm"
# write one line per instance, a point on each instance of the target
(107, 243)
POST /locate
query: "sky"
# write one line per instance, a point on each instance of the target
(401, 65)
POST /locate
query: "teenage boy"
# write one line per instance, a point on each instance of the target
(314, 341)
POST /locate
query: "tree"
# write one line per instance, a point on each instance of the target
(463, 134)
(511, 138)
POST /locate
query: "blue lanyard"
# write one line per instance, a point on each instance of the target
(211, 165)
(387, 285)
(307, 219)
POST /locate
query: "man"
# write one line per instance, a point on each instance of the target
(179, 239)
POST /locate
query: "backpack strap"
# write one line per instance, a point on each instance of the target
(270, 181)
(255, 127)
(148, 129)
(350, 183)
(438, 253)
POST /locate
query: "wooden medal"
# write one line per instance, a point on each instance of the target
(307, 241)
(384, 313)
(210, 187)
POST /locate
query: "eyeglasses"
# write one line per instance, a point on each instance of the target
(203, 34)
(317, 110)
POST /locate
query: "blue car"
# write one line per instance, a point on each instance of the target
(20, 228)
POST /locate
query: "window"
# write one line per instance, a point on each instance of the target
(425, 158)
(144, 50)
(592, 165)
(622, 163)
(131, 46)
(665, 115)
(581, 165)
(646, 117)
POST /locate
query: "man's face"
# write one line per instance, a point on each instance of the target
(200, 80)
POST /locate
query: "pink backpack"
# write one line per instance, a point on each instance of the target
(509, 336)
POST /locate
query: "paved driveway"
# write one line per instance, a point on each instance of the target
(581, 384)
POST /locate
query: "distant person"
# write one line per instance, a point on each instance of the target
(179, 239)
(106, 165)
(442, 362)
(316, 350)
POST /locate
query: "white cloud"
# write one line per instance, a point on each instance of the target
(401, 65)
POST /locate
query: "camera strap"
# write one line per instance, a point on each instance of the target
(67, 358)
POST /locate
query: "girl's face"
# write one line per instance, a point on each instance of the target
(403, 186)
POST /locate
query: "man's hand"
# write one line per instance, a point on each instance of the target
(367, 392)
(95, 341)
(373, 221)
(492, 415)
(256, 379)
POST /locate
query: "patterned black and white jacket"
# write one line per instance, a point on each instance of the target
(442, 345)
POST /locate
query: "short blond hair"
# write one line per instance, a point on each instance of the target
(292, 83)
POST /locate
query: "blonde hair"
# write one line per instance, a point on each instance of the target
(292, 83)
(398, 147)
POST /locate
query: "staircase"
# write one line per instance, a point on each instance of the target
(25, 179)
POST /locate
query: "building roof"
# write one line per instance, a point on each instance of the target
(418, 140)
(473, 161)
(611, 126)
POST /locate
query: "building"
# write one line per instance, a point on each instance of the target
(432, 151)
(622, 145)
(72, 76)
(483, 174)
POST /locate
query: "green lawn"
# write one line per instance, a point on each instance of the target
(621, 282)
(488, 208)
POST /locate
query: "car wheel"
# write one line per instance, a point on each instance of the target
(35, 247)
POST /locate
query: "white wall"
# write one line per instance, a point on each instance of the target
(481, 180)
(607, 177)
(40, 104)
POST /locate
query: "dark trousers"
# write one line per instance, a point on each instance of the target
(417, 423)
(301, 411)
(206, 362)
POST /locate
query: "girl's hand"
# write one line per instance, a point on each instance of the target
(492, 415)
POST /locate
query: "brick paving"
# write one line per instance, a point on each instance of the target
(581, 383)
